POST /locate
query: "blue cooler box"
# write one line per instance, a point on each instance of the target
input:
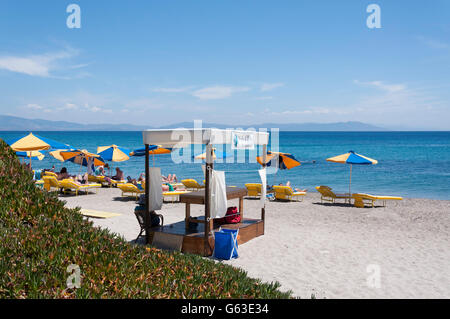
(225, 244)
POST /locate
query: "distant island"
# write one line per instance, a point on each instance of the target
(13, 123)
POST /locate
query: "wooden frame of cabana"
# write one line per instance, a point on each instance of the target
(178, 138)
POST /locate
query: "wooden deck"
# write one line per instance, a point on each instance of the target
(194, 240)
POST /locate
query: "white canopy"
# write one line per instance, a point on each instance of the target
(183, 137)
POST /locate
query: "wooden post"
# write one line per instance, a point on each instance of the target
(147, 195)
(208, 168)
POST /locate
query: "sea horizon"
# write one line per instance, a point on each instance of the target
(410, 163)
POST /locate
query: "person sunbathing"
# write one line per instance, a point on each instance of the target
(170, 178)
(117, 177)
(63, 174)
(294, 188)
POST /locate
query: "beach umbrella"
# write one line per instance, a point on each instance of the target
(282, 160)
(352, 158)
(57, 154)
(215, 155)
(153, 150)
(82, 157)
(33, 142)
(113, 153)
(35, 155)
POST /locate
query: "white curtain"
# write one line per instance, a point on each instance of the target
(263, 175)
(218, 194)
(155, 196)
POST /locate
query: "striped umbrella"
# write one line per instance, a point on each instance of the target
(82, 157)
(113, 153)
(215, 155)
(33, 142)
(32, 155)
(352, 158)
(282, 160)
(153, 150)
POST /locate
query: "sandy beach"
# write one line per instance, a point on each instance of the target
(329, 251)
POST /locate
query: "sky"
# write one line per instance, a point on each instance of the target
(229, 62)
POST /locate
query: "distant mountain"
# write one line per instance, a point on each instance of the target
(13, 123)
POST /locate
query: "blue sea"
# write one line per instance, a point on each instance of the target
(410, 164)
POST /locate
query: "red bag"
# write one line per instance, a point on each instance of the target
(232, 216)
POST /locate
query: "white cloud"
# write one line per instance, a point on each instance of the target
(33, 106)
(270, 86)
(218, 92)
(41, 65)
(382, 86)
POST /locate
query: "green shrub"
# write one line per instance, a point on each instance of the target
(40, 238)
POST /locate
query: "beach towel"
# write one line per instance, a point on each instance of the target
(218, 194)
(263, 175)
(155, 196)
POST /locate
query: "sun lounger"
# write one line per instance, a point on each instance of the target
(173, 196)
(131, 189)
(192, 184)
(48, 173)
(362, 199)
(253, 190)
(51, 183)
(329, 196)
(69, 185)
(286, 193)
(101, 179)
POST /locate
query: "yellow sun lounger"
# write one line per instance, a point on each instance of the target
(51, 183)
(286, 193)
(101, 179)
(329, 196)
(69, 185)
(131, 189)
(192, 184)
(97, 213)
(173, 196)
(362, 199)
(253, 189)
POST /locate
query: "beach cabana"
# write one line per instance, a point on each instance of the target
(194, 240)
(352, 158)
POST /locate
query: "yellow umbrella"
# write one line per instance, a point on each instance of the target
(32, 142)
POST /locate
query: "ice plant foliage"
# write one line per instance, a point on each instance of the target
(40, 238)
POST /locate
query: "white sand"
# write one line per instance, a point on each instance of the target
(331, 251)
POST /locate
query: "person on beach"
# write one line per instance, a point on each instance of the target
(63, 174)
(294, 188)
(170, 178)
(118, 177)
